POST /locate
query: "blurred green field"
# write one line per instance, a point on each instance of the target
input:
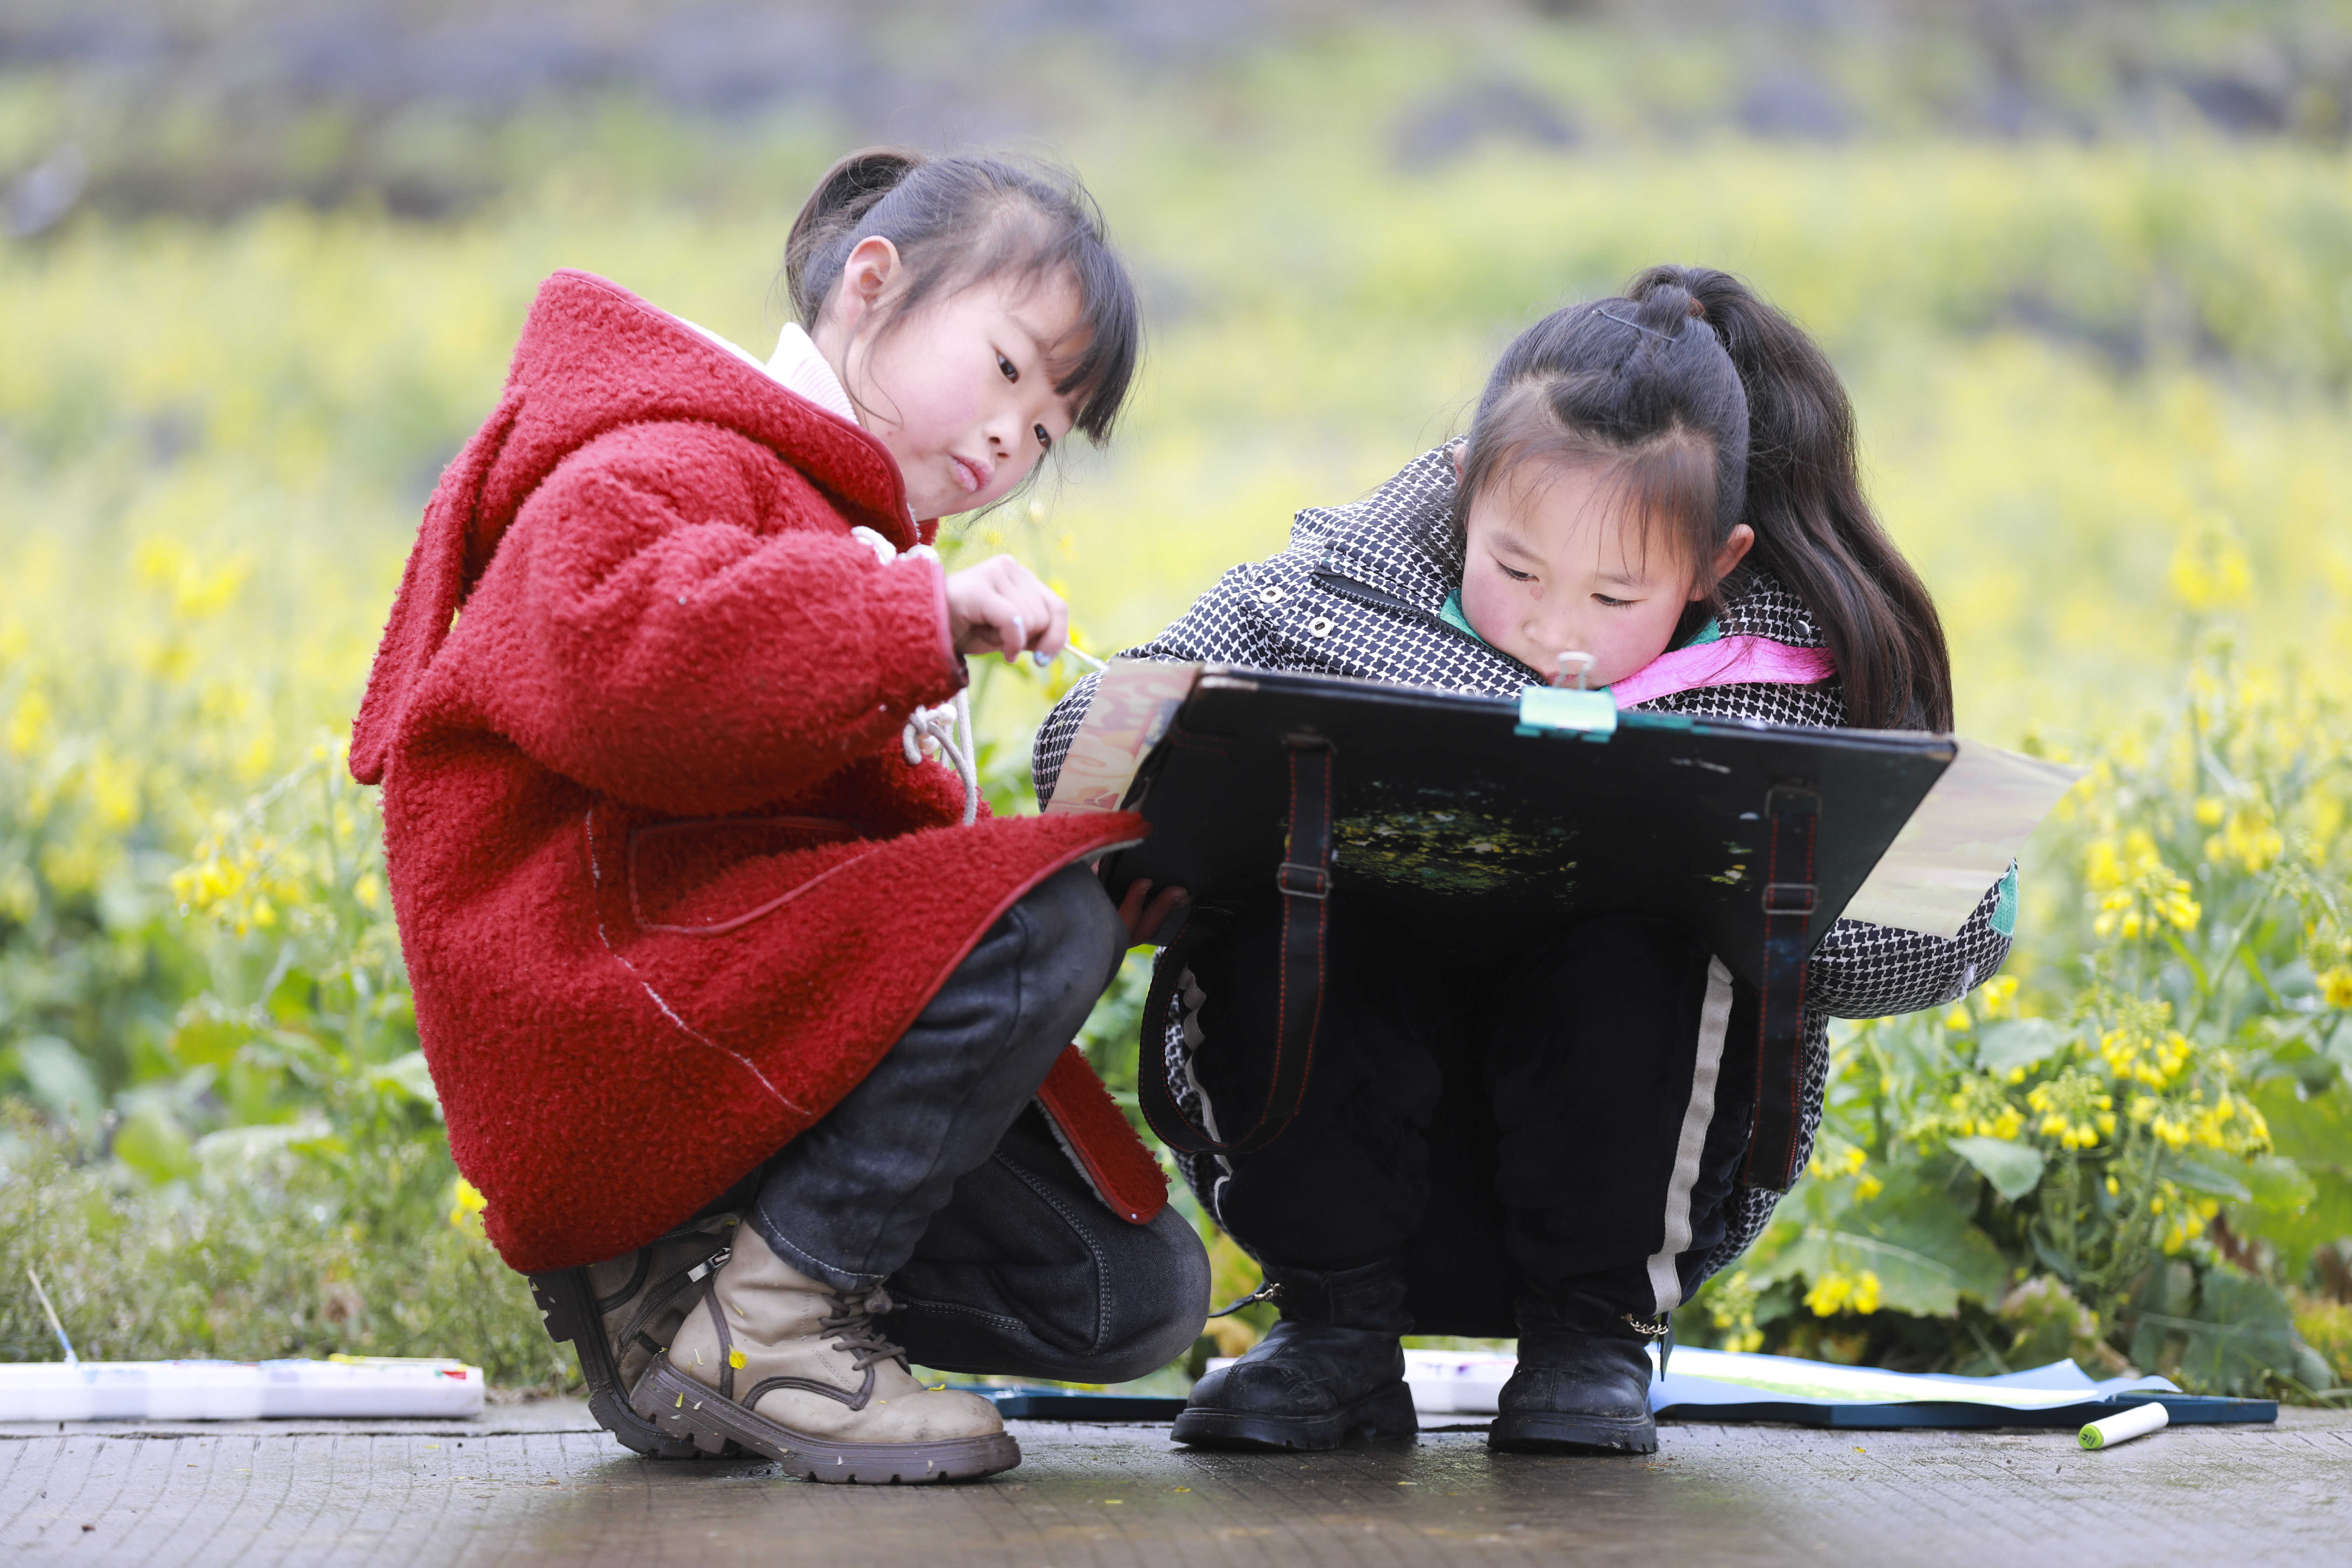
(2106, 392)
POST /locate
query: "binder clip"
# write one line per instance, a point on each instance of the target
(1563, 709)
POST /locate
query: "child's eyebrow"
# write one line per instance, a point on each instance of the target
(1042, 351)
(1030, 329)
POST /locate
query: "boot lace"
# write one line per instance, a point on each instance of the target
(852, 1319)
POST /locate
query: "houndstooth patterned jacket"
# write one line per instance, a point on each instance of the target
(1358, 593)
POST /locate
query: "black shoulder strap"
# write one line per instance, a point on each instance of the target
(1304, 879)
(1792, 814)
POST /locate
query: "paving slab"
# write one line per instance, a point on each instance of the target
(538, 1483)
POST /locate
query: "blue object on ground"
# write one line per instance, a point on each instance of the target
(1715, 1385)
(1076, 1405)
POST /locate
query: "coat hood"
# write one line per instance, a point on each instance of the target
(594, 357)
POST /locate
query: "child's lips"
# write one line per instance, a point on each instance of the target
(971, 473)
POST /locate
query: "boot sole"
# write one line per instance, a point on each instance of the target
(1385, 1414)
(1566, 1432)
(682, 1408)
(568, 1308)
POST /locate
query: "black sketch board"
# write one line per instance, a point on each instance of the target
(1451, 818)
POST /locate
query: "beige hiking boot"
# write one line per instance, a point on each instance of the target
(621, 1313)
(793, 1369)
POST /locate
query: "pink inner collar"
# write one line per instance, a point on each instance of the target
(1726, 661)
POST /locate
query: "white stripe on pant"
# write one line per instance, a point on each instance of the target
(1714, 1019)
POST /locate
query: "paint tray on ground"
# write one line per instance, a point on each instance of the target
(356, 1388)
(1720, 1385)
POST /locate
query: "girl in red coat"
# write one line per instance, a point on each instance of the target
(738, 1003)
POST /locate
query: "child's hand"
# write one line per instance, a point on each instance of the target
(1144, 920)
(1000, 606)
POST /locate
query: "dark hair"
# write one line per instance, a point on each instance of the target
(957, 220)
(1704, 429)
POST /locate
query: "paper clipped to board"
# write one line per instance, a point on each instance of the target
(1974, 821)
(1134, 703)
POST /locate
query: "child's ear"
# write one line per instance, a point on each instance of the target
(1733, 551)
(1457, 452)
(866, 277)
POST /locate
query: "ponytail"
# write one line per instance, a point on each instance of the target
(1814, 530)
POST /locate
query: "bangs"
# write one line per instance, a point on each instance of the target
(1034, 246)
(1097, 379)
(1668, 481)
(1109, 328)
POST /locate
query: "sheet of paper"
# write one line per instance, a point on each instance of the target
(1973, 823)
(1134, 703)
(1466, 1382)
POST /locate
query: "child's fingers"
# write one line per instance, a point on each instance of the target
(1055, 634)
(1006, 609)
(1144, 920)
(991, 617)
(1130, 907)
(1045, 619)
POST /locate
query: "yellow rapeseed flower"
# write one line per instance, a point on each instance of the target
(1835, 1292)
(465, 1206)
(2248, 838)
(2137, 893)
(28, 723)
(2209, 569)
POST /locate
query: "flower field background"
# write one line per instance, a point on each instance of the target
(2105, 382)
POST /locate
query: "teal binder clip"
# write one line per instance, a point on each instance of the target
(1568, 709)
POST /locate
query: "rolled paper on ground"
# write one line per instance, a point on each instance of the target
(2137, 1422)
(347, 1388)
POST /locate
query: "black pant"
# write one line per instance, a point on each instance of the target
(1027, 1273)
(1571, 1117)
(937, 1176)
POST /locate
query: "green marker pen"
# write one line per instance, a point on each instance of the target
(2137, 1422)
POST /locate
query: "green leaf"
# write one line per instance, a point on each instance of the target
(2014, 1169)
(208, 1042)
(1917, 1235)
(2016, 1042)
(62, 1082)
(2321, 1220)
(2315, 1129)
(152, 1143)
(2278, 1186)
(2240, 1334)
(232, 1145)
(406, 1075)
(2202, 1173)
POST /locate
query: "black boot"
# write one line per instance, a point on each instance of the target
(1582, 1385)
(1331, 1371)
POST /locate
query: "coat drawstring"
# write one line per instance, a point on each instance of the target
(949, 726)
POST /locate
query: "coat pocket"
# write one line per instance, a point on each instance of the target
(710, 876)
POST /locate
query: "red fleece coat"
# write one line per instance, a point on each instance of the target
(667, 884)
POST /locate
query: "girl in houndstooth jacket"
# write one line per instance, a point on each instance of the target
(1662, 488)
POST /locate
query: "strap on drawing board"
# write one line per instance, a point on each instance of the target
(1793, 813)
(1303, 881)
